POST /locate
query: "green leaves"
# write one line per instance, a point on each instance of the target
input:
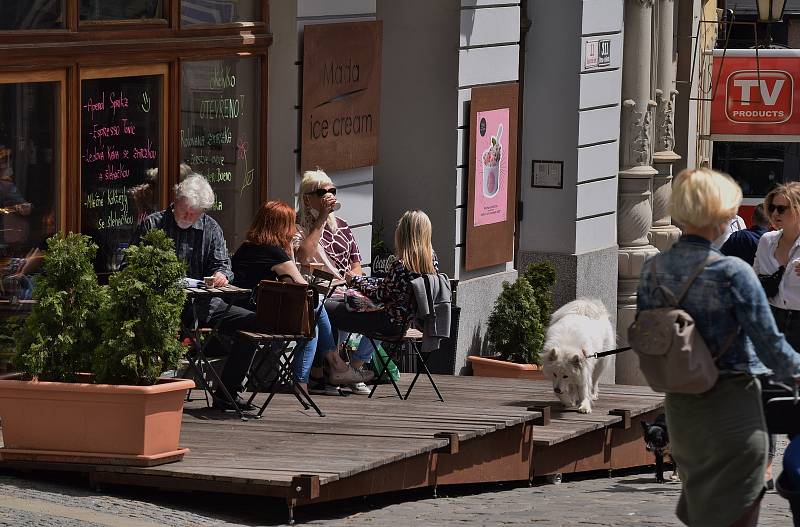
(125, 333)
(140, 333)
(519, 319)
(56, 341)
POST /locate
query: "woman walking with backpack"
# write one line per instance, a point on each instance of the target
(718, 438)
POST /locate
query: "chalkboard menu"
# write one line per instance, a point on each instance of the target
(220, 136)
(120, 155)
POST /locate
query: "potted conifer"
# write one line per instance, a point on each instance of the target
(90, 357)
(517, 326)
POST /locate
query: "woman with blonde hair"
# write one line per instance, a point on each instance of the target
(415, 257)
(326, 239)
(718, 438)
(777, 264)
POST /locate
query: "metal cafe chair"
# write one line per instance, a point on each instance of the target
(274, 353)
(409, 341)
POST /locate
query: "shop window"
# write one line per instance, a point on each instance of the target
(220, 136)
(31, 14)
(121, 151)
(218, 11)
(30, 172)
(758, 167)
(120, 9)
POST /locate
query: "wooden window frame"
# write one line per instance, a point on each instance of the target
(76, 53)
(59, 76)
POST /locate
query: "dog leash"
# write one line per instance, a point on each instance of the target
(610, 352)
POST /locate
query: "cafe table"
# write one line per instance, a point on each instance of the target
(198, 361)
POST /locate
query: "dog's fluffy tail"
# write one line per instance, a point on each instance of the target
(588, 307)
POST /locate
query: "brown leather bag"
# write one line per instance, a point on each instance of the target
(285, 308)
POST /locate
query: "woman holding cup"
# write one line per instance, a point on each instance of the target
(324, 238)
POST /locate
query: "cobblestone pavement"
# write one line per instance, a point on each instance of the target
(622, 500)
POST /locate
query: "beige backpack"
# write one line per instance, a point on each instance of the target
(673, 356)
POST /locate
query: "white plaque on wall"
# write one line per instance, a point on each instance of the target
(547, 174)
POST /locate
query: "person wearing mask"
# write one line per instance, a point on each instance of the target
(743, 243)
(718, 438)
(324, 238)
(266, 254)
(734, 225)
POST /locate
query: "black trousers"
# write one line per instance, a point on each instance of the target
(788, 322)
(230, 322)
(368, 323)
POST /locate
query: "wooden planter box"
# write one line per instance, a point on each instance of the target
(488, 367)
(92, 423)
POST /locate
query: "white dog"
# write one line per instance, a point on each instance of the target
(577, 331)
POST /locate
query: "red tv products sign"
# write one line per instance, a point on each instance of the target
(759, 97)
(756, 98)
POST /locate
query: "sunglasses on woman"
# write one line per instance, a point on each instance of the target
(780, 208)
(320, 192)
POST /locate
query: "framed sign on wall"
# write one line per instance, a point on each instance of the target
(491, 202)
(341, 95)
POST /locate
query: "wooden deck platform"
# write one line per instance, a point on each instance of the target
(488, 430)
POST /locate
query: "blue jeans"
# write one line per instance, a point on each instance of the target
(323, 340)
(364, 350)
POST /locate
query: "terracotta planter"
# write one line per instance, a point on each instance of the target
(487, 367)
(92, 423)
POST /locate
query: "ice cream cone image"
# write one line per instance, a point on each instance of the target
(491, 158)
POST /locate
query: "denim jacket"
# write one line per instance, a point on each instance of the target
(725, 297)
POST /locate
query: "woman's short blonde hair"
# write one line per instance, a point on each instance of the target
(412, 242)
(790, 191)
(312, 180)
(703, 197)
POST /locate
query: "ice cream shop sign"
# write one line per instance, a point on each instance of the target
(341, 95)
(756, 98)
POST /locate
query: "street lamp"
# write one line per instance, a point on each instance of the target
(770, 11)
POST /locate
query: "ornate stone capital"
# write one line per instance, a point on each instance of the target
(645, 3)
(636, 139)
(665, 121)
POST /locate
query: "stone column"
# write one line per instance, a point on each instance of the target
(635, 206)
(663, 234)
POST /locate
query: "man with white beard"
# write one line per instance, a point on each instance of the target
(200, 244)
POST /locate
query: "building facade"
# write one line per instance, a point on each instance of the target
(98, 120)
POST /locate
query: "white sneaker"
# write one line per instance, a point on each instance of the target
(359, 388)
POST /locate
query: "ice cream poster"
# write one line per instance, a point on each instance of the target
(491, 167)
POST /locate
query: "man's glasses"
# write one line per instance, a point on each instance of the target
(320, 192)
(780, 208)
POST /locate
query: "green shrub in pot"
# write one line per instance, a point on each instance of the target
(140, 331)
(520, 316)
(57, 339)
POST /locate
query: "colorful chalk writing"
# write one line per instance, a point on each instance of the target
(219, 133)
(120, 153)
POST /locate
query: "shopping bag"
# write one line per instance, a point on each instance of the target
(377, 364)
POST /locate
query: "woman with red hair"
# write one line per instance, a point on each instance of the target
(267, 254)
